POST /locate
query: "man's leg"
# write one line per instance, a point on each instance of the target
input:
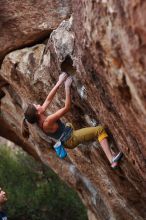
(112, 157)
(105, 146)
(91, 133)
(82, 135)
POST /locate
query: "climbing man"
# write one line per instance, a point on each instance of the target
(64, 134)
(3, 199)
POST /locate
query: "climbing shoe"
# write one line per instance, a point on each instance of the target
(60, 151)
(115, 160)
(114, 165)
(118, 157)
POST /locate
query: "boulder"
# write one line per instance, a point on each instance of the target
(102, 46)
(24, 22)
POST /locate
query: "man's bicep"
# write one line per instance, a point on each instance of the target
(54, 117)
(45, 104)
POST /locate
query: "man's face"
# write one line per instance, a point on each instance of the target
(38, 108)
(3, 197)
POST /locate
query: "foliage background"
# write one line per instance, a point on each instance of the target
(34, 191)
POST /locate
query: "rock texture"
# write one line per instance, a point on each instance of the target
(103, 46)
(24, 22)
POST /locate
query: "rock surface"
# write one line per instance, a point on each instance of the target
(103, 46)
(24, 22)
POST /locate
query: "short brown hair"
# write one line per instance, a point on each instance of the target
(31, 114)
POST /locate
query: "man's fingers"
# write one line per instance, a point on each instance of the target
(64, 74)
(69, 78)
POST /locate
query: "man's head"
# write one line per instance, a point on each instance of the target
(3, 197)
(31, 114)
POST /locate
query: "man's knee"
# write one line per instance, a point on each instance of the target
(101, 133)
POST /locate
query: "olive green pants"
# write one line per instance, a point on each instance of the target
(85, 134)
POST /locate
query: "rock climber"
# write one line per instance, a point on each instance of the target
(3, 199)
(65, 135)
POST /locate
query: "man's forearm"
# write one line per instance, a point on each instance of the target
(53, 92)
(50, 96)
(68, 99)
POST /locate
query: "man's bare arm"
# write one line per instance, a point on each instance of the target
(61, 112)
(52, 93)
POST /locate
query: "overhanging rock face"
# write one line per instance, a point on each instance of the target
(102, 45)
(24, 22)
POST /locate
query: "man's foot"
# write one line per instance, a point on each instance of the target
(115, 160)
(114, 165)
(118, 157)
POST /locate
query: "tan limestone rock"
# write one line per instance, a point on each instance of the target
(24, 22)
(103, 50)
